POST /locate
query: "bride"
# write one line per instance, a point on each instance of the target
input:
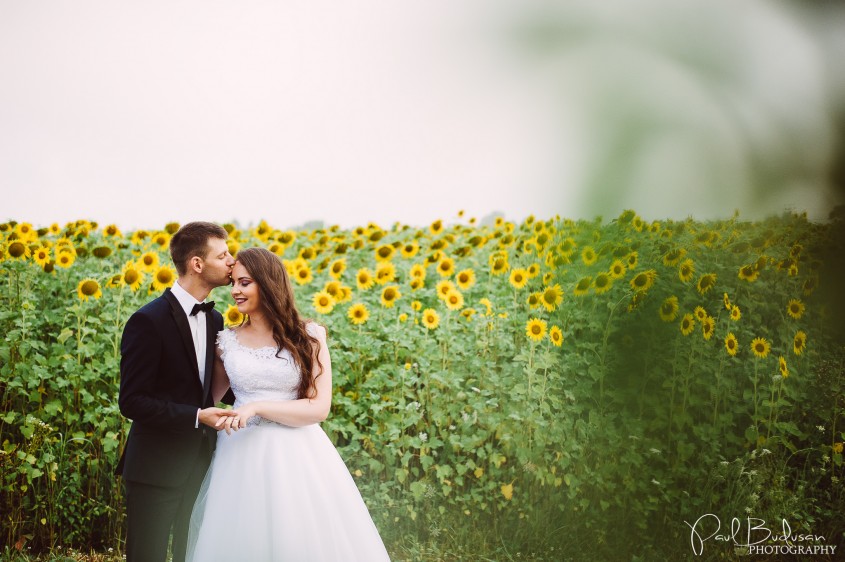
(277, 488)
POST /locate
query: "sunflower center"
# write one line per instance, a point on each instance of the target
(17, 249)
(90, 288)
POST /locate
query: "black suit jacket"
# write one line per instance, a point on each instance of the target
(160, 391)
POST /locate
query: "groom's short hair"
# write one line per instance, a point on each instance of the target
(192, 240)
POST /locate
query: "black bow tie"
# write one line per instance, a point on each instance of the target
(202, 307)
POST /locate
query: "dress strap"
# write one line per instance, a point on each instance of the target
(225, 340)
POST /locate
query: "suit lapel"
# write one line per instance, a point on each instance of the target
(184, 330)
(210, 351)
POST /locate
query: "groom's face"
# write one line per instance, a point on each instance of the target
(218, 263)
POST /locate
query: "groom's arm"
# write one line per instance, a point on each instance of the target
(141, 351)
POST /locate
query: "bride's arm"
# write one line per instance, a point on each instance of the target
(295, 413)
(219, 378)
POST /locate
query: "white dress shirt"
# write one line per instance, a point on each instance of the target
(196, 322)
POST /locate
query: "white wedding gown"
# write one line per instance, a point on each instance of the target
(275, 492)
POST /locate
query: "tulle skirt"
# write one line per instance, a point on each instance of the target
(280, 493)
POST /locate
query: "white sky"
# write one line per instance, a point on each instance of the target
(140, 113)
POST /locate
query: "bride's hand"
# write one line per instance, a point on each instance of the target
(237, 420)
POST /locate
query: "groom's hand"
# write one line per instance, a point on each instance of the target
(210, 416)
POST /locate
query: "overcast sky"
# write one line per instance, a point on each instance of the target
(140, 113)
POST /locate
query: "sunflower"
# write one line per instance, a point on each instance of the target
(602, 283)
(784, 370)
(25, 232)
(65, 259)
(633, 259)
(358, 313)
(799, 342)
(669, 309)
(17, 249)
(556, 336)
(234, 247)
(439, 244)
(731, 344)
(673, 257)
(589, 256)
(533, 270)
(430, 318)
(344, 294)
(454, 300)
(132, 276)
(468, 313)
(364, 279)
(705, 283)
(302, 274)
(686, 270)
(748, 273)
(410, 249)
(112, 230)
(499, 265)
(727, 300)
(617, 269)
(489, 305)
(534, 300)
(307, 254)
(518, 278)
(384, 252)
(389, 296)
(643, 281)
(736, 313)
(162, 239)
(149, 261)
(277, 248)
(41, 256)
(465, 278)
(163, 278)
(687, 324)
(416, 306)
(552, 297)
(436, 227)
(582, 287)
(417, 271)
(445, 287)
(88, 288)
(101, 252)
(337, 268)
(700, 313)
(262, 231)
(323, 302)
(795, 308)
(233, 316)
(810, 284)
(760, 347)
(446, 267)
(385, 273)
(54, 228)
(708, 325)
(535, 329)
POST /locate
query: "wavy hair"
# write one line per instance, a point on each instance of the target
(279, 307)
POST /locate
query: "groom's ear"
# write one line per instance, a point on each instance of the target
(195, 264)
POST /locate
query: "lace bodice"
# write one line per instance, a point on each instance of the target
(258, 373)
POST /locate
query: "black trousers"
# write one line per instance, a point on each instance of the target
(153, 511)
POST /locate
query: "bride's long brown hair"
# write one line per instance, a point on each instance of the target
(279, 307)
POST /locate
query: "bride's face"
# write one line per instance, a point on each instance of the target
(244, 290)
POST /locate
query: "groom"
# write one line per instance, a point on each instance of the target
(167, 358)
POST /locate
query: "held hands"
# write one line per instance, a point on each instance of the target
(213, 416)
(236, 420)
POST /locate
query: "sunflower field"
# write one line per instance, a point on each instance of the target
(550, 389)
